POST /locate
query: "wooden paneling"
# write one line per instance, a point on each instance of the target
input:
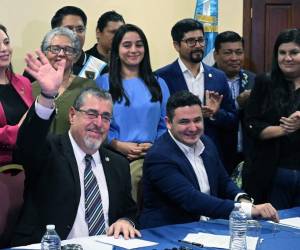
(281, 15)
(269, 17)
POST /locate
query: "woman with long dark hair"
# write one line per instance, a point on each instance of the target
(139, 97)
(272, 172)
(15, 98)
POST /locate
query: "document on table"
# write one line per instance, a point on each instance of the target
(121, 242)
(293, 222)
(218, 241)
(85, 242)
(102, 242)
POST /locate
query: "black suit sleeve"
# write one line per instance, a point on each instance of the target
(117, 173)
(32, 138)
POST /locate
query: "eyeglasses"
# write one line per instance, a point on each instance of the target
(77, 29)
(56, 49)
(191, 42)
(93, 114)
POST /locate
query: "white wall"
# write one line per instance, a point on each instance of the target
(28, 21)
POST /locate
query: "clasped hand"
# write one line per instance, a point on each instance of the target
(131, 150)
(243, 98)
(290, 124)
(212, 103)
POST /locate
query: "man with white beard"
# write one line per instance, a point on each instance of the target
(71, 181)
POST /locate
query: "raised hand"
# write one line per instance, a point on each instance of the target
(48, 78)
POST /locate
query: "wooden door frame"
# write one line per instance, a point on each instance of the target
(247, 32)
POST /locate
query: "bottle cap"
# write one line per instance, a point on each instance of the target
(50, 227)
(237, 205)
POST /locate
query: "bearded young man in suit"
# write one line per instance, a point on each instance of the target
(183, 177)
(188, 72)
(55, 165)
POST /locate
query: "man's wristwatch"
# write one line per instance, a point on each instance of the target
(246, 197)
(49, 96)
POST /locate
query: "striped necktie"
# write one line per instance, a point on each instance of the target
(93, 204)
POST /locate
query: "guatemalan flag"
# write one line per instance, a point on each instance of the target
(207, 13)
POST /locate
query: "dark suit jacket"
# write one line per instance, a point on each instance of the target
(230, 139)
(170, 187)
(52, 187)
(226, 119)
(249, 78)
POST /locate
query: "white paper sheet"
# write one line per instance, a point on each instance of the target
(219, 241)
(121, 242)
(294, 222)
(86, 243)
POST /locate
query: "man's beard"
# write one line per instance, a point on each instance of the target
(92, 143)
(196, 56)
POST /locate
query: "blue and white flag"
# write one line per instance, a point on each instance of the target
(207, 13)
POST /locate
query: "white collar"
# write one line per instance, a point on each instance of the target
(185, 69)
(197, 149)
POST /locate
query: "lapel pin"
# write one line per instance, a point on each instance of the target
(210, 75)
(107, 158)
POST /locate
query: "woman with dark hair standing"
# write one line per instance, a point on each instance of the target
(272, 172)
(139, 97)
(15, 99)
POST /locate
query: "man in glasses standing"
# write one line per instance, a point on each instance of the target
(71, 181)
(188, 72)
(74, 18)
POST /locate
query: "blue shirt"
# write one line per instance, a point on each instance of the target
(141, 121)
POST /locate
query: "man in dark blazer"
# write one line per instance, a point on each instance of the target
(55, 167)
(188, 72)
(183, 177)
(229, 57)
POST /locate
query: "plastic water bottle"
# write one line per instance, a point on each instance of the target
(238, 228)
(50, 240)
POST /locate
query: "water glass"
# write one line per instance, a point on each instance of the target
(253, 230)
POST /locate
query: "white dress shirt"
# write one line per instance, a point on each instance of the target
(195, 84)
(80, 226)
(193, 154)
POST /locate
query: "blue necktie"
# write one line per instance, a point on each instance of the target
(93, 204)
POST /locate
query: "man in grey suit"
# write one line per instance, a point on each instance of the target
(56, 186)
